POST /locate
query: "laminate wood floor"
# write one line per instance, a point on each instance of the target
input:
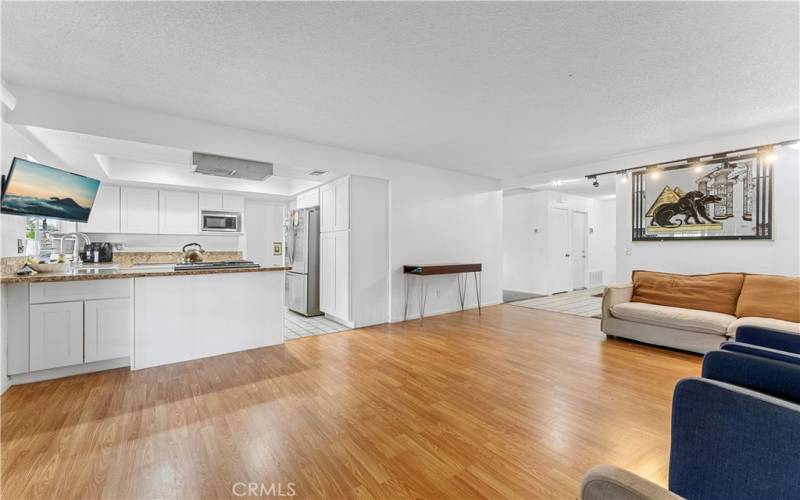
(513, 403)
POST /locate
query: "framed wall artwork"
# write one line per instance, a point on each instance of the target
(716, 199)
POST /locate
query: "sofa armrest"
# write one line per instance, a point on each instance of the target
(613, 295)
(607, 482)
(765, 337)
(780, 379)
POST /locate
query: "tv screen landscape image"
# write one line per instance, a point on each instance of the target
(33, 189)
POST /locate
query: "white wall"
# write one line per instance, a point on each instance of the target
(525, 242)
(526, 246)
(780, 256)
(435, 215)
(603, 240)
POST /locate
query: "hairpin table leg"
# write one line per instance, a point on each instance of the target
(422, 298)
(477, 290)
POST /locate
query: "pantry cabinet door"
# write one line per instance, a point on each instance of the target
(327, 271)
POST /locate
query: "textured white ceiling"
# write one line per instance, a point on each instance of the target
(495, 89)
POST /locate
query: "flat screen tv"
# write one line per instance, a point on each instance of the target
(33, 189)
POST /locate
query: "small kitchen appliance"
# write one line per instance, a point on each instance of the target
(213, 221)
(98, 251)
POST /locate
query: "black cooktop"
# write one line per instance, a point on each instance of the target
(226, 264)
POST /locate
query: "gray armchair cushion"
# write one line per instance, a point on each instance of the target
(607, 482)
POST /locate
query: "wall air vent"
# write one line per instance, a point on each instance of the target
(316, 173)
(235, 168)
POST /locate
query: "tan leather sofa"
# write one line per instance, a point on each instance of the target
(686, 329)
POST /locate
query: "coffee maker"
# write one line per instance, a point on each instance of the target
(97, 252)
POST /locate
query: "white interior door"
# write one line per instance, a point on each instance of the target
(578, 254)
(559, 243)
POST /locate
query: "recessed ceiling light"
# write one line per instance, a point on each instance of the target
(795, 145)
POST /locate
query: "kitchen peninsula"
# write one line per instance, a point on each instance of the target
(60, 324)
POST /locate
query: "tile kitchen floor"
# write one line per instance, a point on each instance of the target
(298, 326)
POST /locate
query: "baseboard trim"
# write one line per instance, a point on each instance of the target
(68, 371)
(335, 319)
(439, 312)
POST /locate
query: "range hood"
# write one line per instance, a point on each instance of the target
(236, 168)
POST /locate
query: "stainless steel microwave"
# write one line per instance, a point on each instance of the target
(212, 221)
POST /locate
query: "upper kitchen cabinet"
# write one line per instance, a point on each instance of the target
(308, 199)
(105, 215)
(232, 203)
(327, 208)
(222, 202)
(334, 204)
(178, 213)
(211, 201)
(341, 218)
(139, 210)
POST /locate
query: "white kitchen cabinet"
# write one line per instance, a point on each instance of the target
(178, 213)
(138, 210)
(335, 274)
(308, 199)
(341, 201)
(342, 255)
(327, 208)
(327, 272)
(105, 215)
(354, 230)
(232, 203)
(334, 205)
(211, 201)
(107, 329)
(56, 335)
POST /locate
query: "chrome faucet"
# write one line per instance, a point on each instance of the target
(76, 248)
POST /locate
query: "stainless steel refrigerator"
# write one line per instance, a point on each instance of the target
(302, 253)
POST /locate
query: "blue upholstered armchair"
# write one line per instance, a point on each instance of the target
(770, 339)
(728, 442)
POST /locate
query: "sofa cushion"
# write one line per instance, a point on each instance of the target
(765, 296)
(706, 292)
(772, 324)
(674, 317)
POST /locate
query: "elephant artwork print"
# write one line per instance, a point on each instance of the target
(718, 197)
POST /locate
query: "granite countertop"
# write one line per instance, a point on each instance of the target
(127, 272)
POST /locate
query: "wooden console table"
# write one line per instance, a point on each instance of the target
(420, 271)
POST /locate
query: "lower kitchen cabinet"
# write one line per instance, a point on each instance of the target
(107, 329)
(56, 335)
